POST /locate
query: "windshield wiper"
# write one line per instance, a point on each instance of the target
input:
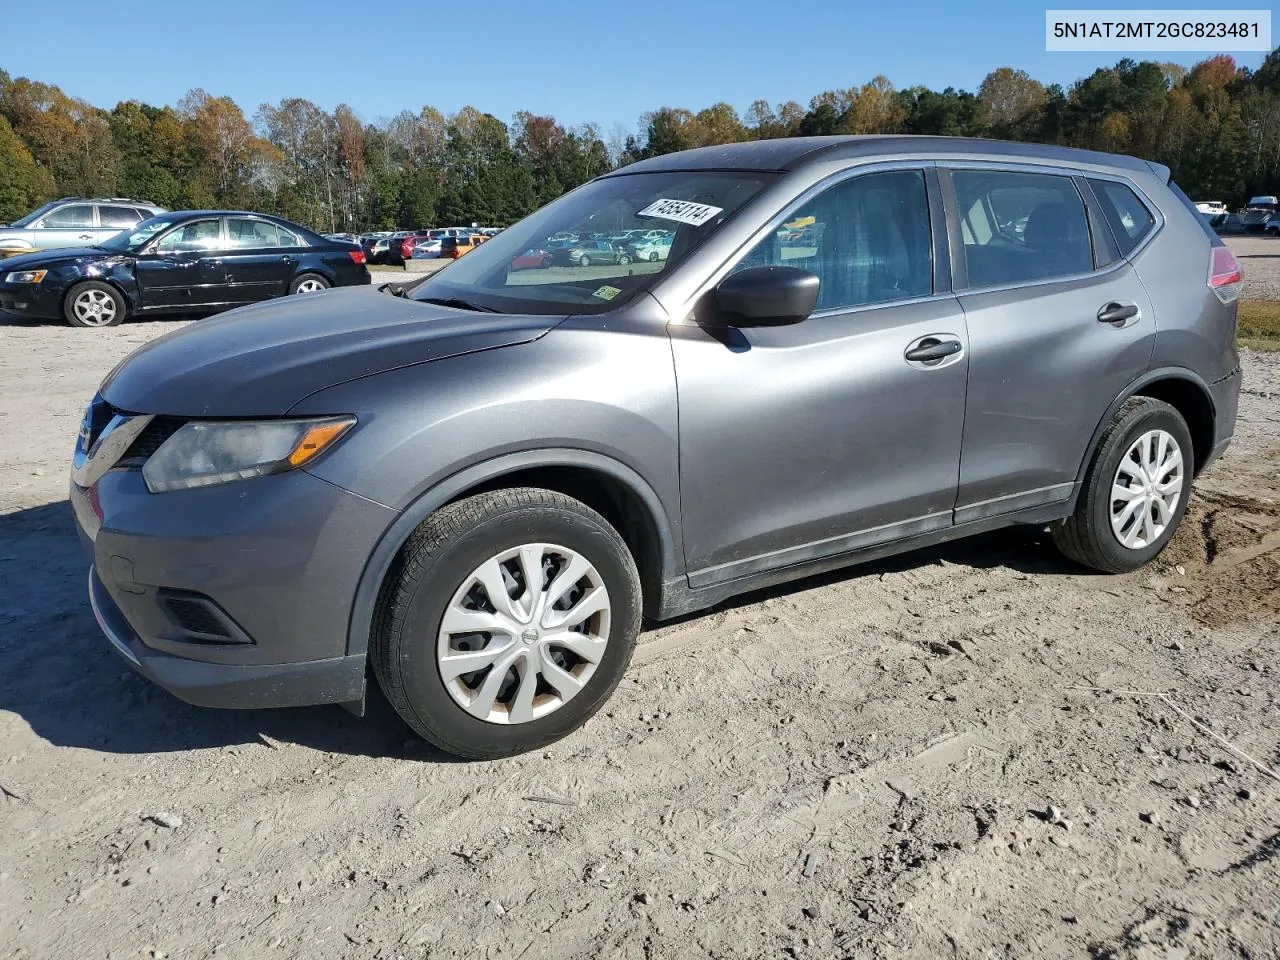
(458, 303)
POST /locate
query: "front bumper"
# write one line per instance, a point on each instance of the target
(335, 680)
(39, 301)
(237, 595)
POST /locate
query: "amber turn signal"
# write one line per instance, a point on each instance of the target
(316, 439)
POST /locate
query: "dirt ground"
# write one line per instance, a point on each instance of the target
(979, 751)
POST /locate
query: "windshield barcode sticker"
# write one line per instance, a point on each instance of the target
(681, 211)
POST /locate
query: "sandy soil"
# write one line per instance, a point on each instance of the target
(938, 756)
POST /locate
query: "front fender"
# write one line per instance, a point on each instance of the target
(393, 538)
(592, 397)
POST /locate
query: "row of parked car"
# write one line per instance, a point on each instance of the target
(1260, 215)
(591, 249)
(394, 248)
(561, 249)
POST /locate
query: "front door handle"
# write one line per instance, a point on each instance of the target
(932, 349)
(1115, 312)
(86, 236)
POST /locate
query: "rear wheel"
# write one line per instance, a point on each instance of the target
(623, 259)
(584, 261)
(508, 621)
(1136, 491)
(93, 304)
(309, 283)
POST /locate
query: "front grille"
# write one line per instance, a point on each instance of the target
(96, 418)
(155, 433)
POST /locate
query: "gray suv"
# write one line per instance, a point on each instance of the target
(74, 222)
(478, 485)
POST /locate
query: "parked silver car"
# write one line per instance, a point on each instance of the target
(479, 484)
(75, 222)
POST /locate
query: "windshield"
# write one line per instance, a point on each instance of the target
(35, 215)
(596, 247)
(131, 241)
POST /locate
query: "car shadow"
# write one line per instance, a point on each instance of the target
(64, 680)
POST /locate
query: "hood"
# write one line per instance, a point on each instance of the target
(261, 360)
(52, 258)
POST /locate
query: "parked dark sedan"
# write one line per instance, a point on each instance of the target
(193, 261)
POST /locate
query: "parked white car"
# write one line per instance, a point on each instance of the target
(428, 249)
(652, 250)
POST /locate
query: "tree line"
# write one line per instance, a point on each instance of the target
(1216, 125)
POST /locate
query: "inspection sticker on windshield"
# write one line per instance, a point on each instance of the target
(606, 292)
(681, 211)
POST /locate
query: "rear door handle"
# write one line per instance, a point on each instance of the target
(86, 236)
(932, 349)
(1118, 313)
(288, 259)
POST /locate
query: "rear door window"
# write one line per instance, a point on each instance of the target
(119, 217)
(1021, 227)
(246, 233)
(1127, 216)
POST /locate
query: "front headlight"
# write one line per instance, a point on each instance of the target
(206, 452)
(25, 276)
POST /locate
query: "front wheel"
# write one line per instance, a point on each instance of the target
(93, 304)
(508, 620)
(623, 259)
(584, 261)
(1135, 492)
(309, 283)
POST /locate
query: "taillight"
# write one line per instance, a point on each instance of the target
(1225, 277)
(357, 256)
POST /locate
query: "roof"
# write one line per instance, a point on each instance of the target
(795, 152)
(140, 203)
(189, 214)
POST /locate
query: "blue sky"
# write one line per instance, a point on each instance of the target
(600, 61)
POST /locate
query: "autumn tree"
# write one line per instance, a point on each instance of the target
(23, 183)
(1009, 102)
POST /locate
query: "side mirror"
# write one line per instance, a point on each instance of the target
(766, 296)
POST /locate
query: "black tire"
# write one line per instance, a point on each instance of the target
(1086, 536)
(93, 287)
(623, 259)
(430, 568)
(653, 257)
(304, 277)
